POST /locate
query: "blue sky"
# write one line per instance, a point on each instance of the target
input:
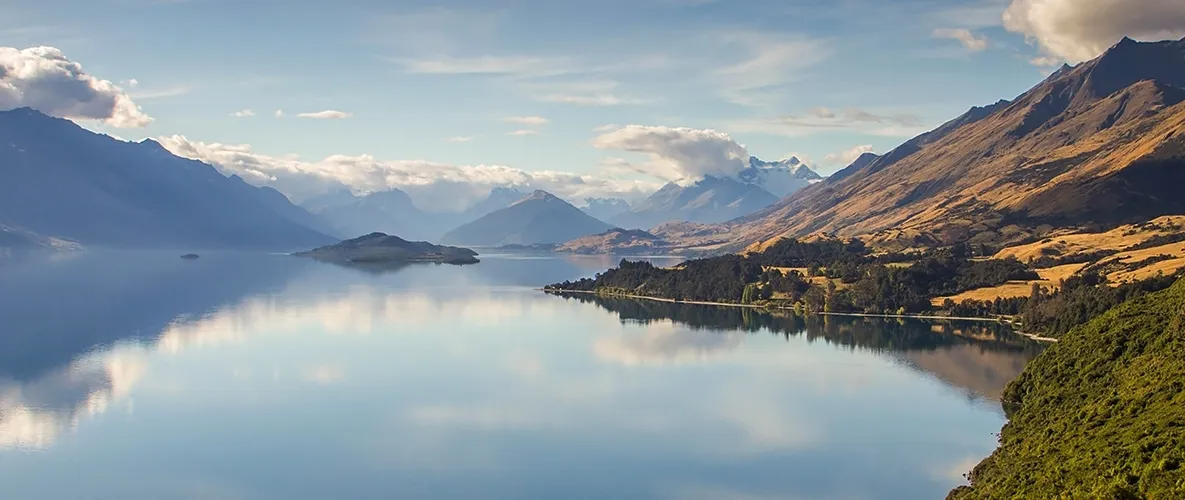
(437, 82)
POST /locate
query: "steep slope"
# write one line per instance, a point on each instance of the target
(1097, 144)
(710, 200)
(539, 218)
(60, 180)
(617, 241)
(1100, 414)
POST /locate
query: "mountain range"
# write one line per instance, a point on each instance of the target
(62, 182)
(393, 212)
(541, 217)
(1098, 144)
(715, 199)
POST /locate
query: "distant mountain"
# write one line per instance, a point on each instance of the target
(538, 218)
(710, 200)
(59, 180)
(605, 208)
(780, 178)
(382, 248)
(617, 241)
(393, 212)
(1098, 144)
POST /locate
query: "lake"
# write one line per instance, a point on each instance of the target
(238, 376)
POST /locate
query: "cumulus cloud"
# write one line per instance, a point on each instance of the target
(43, 78)
(243, 113)
(1079, 30)
(523, 133)
(965, 37)
(826, 119)
(526, 120)
(848, 156)
(433, 186)
(328, 114)
(678, 154)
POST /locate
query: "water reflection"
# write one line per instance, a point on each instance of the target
(978, 357)
(463, 382)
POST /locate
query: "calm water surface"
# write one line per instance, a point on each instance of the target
(141, 376)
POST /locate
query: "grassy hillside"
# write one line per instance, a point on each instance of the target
(1100, 414)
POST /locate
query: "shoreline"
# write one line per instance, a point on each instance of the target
(1030, 336)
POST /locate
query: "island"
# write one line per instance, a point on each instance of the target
(190, 256)
(384, 248)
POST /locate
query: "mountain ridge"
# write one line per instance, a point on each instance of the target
(538, 218)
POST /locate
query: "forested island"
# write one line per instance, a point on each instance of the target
(379, 248)
(846, 276)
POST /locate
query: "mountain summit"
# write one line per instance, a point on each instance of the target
(1101, 143)
(540, 217)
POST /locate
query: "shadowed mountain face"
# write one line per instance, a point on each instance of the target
(539, 218)
(62, 181)
(1100, 143)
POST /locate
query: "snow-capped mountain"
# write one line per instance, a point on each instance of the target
(780, 178)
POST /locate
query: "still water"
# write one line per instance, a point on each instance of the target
(141, 376)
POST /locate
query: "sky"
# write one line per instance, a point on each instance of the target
(449, 98)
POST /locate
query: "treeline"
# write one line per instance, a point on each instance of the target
(839, 277)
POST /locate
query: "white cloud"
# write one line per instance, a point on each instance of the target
(964, 36)
(434, 186)
(460, 138)
(524, 66)
(328, 114)
(678, 154)
(174, 91)
(43, 78)
(847, 157)
(526, 120)
(243, 113)
(523, 133)
(826, 119)
(1079, 30)
(764, 62)
(279, 113)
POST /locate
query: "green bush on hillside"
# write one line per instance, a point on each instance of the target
(1101, 414)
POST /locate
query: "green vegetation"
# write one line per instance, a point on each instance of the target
(855, 280)
(1100, 414)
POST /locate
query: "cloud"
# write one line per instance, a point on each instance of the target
(678, 154)
(847, 157)
(328, 114)
(526, 120)
(826, 119)
(523, 133)
(43, 78)
(173, 91)
(279, 113)
(524, 66)
(433, 186)
(581, 93)
(1079, 30)
(763, 63)
(460, 138)
(965, 37)
(243, 113)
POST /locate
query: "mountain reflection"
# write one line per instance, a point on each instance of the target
(977, 357)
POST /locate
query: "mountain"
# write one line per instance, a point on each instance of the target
(1099, 144)
(393, 212)
(710, 200)
(62, 181)
(382, 248)
(780, 178)
(605, 208)
(538, 218)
